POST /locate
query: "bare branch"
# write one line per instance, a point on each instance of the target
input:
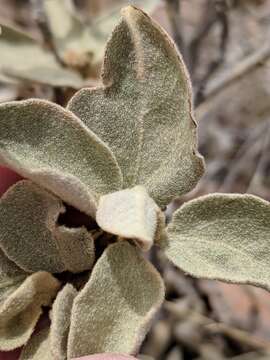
(207, 22)
(173, 12)
(222, 19)
(239, 71)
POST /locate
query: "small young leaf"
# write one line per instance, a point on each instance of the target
(223, 237)
(60, 324)
(24, 59)
(38, 347)
(143, 110)
(129, 213)
(113, 311)
(20, 312)
(51, 146)
(76, 247)
(31, 237)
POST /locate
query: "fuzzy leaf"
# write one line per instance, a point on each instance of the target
(60, 324)
(143, 110)
(38, 347)
(224, 237)
(77, 248)
(130, 214)
(31, 237)
(49, 145)
(20, 312)
(51, 343)
(113, 311)
(22, 58)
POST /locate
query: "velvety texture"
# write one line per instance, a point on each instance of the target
(224, 237)
(20, 311)
(52, 147)
(143, 109)
(31, 237)
(113, 311)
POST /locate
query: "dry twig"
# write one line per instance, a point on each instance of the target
(173, 11)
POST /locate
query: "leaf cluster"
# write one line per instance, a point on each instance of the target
(118, 153)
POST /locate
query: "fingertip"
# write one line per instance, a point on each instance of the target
(107, 357)
(7, 178)
(10, 355)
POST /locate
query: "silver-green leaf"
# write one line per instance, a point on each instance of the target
(224, 237)
(52, 147)
(20, 312)
(143, 109)
(31, 237)
(113, 311)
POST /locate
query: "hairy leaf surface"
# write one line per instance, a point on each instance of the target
(76, 248)
(130, 214)
(31, 237)
(113, 311)
(20, 312)
(143, 110)
(224, 237)
(51, 146)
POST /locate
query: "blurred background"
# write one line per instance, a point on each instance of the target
(51, 48)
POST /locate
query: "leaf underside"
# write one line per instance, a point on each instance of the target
(113, 311)
(224, 237)
(143, 110)
(130, 214)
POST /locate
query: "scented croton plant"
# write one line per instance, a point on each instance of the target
(97, 176)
